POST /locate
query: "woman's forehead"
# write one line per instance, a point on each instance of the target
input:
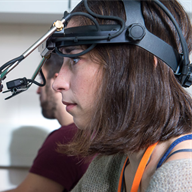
(70, 49)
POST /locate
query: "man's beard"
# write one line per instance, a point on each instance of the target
(48, 109)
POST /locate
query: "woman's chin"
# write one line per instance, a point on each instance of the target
(79, 124)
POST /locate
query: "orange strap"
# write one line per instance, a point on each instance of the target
(140, 169)
(121, 176)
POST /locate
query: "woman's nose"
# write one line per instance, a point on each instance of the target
(61, 82)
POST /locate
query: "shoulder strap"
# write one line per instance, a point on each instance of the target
(141, 168)
(178, 151)
(176, 142)
(139, 172)
(120, 185)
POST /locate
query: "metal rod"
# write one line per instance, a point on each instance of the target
(43, 38)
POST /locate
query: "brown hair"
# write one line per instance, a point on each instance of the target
(138, 103)
(53, 65)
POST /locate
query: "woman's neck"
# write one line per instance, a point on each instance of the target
(135, 158)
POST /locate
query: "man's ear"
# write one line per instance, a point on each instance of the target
(55, 76)
(155, 61)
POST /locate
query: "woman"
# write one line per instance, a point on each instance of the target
(127, 102)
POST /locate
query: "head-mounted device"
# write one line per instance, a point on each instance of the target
(133, 31)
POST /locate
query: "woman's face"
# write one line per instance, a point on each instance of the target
(77, 81)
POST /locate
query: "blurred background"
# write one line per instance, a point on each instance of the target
(22, 127)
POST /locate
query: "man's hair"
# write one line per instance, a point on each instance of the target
(53, 65)
(138, 103)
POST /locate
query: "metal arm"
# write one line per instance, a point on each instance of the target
(22, 84)
(10, 65)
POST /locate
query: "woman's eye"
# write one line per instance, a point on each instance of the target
(75, 60)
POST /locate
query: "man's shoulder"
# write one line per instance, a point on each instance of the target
(68, 130)
(64, 135)
(71, 127)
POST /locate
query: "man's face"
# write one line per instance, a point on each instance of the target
(46, 97)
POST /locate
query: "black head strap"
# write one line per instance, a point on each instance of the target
(133, 31)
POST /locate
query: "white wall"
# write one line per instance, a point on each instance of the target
(34, 11)
(22, 127)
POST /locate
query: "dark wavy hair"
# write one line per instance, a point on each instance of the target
(139, 103)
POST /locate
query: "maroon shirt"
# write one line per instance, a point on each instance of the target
(63, 169)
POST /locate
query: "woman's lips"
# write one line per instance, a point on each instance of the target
(69, 106)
